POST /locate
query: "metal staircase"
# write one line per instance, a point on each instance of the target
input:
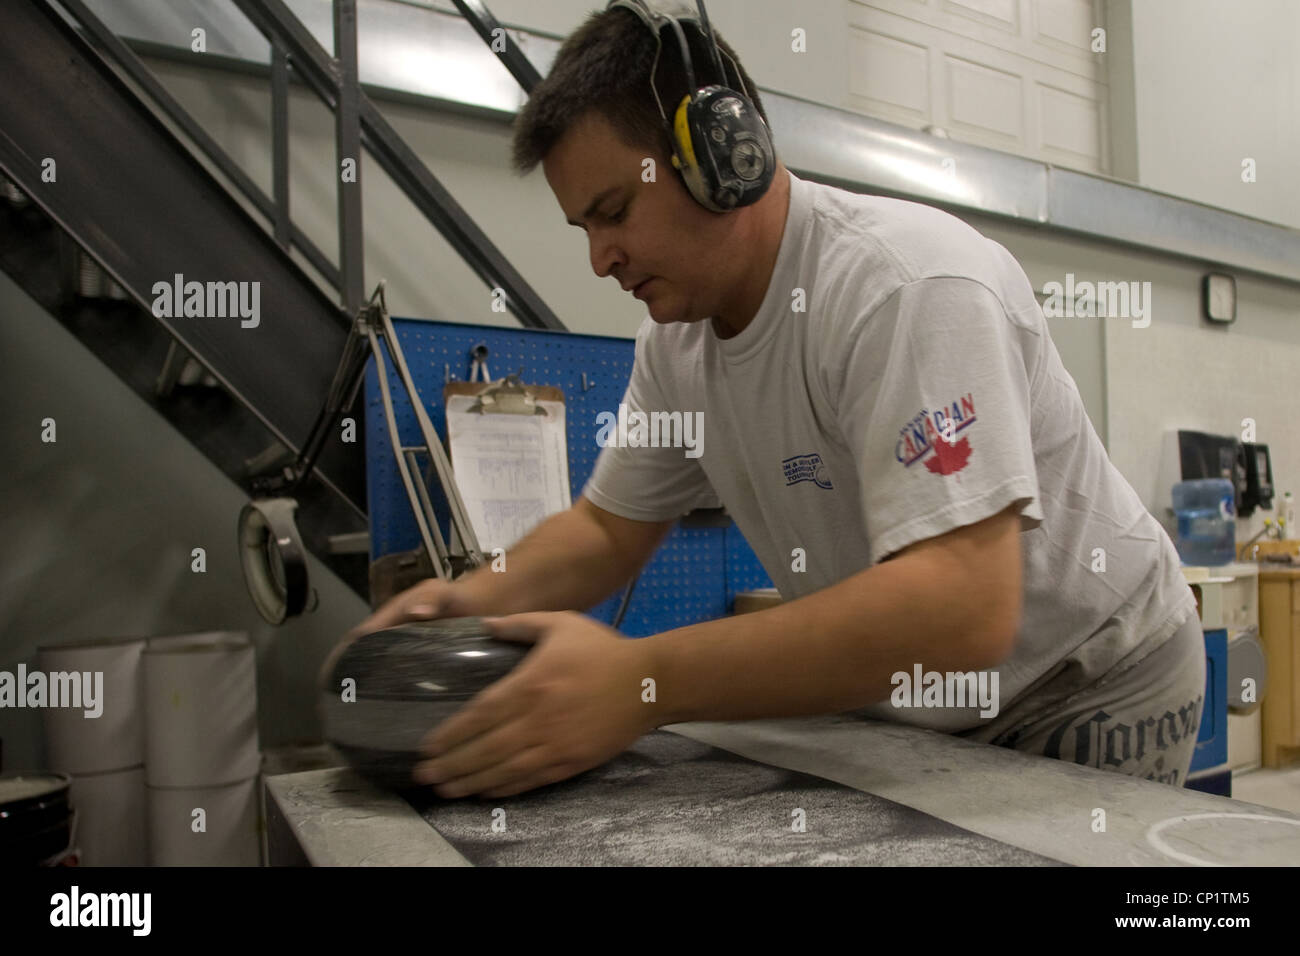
(83, 137)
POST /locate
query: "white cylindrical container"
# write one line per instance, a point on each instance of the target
(205, 826)
(1289, 531)
(200, 694)
(110, 818)
(80, 744)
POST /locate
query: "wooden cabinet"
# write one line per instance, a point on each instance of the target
(1279, 631)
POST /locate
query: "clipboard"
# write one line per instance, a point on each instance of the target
(507, 396)
(509, 455)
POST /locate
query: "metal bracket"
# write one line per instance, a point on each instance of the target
(375, 322)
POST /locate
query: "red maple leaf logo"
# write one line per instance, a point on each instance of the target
(949, 458)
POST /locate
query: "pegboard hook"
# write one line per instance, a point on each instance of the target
(478, 360)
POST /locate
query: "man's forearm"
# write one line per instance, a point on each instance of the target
(831, 651)
(565, 563)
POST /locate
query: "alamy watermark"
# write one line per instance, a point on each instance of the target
(1092, 300)
(83, 689)
(949, 689)
(208, 300)
(75, 908)
(652, 430)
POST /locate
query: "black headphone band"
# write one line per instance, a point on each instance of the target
(712, 40)
(721, 144)
(686, 55)
(742, 86)
(657, 21)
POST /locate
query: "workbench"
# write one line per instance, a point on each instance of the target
(1031, 804)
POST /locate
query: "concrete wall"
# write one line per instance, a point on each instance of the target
(1140, 384)
(1181, 373)
(1216, 83)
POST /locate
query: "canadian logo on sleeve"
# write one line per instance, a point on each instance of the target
(933, 437)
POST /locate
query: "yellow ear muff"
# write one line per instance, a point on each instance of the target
(682, 134)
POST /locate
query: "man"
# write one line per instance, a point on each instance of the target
(894, 433)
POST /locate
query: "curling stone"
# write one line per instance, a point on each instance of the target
(409, 679)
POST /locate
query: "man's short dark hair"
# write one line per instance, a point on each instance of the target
(605, 66)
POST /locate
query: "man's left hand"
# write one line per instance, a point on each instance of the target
(573, 703)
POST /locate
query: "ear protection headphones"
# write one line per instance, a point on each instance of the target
(721, 146)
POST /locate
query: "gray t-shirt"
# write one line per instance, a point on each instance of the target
(899, 382)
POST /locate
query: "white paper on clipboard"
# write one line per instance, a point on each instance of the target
(512, 470)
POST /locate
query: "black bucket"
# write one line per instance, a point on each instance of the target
(36, 818)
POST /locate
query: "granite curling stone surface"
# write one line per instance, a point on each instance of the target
(672, 801)
(408, 679)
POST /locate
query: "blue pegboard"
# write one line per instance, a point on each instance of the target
(695, 574)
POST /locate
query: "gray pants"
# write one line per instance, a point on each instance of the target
(1142, 721)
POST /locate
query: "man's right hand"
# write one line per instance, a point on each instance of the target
(427, 601)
